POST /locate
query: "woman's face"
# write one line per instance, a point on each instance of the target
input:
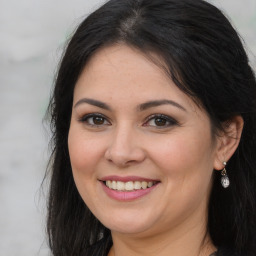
(141, 150)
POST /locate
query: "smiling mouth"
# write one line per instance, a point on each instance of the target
(129, 186)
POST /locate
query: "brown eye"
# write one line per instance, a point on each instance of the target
(160, 121)
(94, 120)
(98, 120)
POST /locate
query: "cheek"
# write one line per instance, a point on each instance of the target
(84, 156)
(184, 154)
(185, 164)
(83, 150)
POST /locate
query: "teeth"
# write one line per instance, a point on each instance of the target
(144, 184)
(137, 185)
(108, 183)
(114, 184)
(120, 185)
(150, 184)
(129, 186)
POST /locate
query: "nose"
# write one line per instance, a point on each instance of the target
(125, 147)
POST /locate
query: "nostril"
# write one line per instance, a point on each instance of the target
(124, 157)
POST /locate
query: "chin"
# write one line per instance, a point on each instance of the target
(129, 223)
(136, 228)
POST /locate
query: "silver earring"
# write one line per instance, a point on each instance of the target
(224, 179)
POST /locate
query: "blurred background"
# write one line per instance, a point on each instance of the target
(32, 37)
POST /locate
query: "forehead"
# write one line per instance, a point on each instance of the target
(121, 61)
(127, 72)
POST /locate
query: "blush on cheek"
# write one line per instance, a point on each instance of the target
(82, 151)
(171, 153)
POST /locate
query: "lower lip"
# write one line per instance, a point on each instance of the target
(127, 195)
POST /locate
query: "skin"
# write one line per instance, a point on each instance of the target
(128, 141)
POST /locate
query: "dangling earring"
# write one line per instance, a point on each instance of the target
(224, 179)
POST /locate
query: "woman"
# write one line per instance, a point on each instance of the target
(153, 117)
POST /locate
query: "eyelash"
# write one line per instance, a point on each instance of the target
(162, 117)
(85, 119)
(170, 121)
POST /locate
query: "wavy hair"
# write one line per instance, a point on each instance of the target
(205, 58)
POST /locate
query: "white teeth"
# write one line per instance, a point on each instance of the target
(150, 184)
(113, 184)
(137, 185)
(144, 184)
(129, 186)
(120, 185)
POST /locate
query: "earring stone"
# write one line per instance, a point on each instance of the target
(225, 182)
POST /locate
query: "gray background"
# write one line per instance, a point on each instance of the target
(32, 36)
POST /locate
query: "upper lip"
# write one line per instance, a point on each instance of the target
(126, 178)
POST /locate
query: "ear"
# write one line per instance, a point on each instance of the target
(228, 141)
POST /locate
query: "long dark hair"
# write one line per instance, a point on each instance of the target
(205, 58)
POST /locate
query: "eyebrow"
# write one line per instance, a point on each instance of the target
(156, 103)
(93, 102)
(141, 107)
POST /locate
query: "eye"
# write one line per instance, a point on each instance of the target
(95, 120)
(160, 121)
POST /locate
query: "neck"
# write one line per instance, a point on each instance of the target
(190, 241)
